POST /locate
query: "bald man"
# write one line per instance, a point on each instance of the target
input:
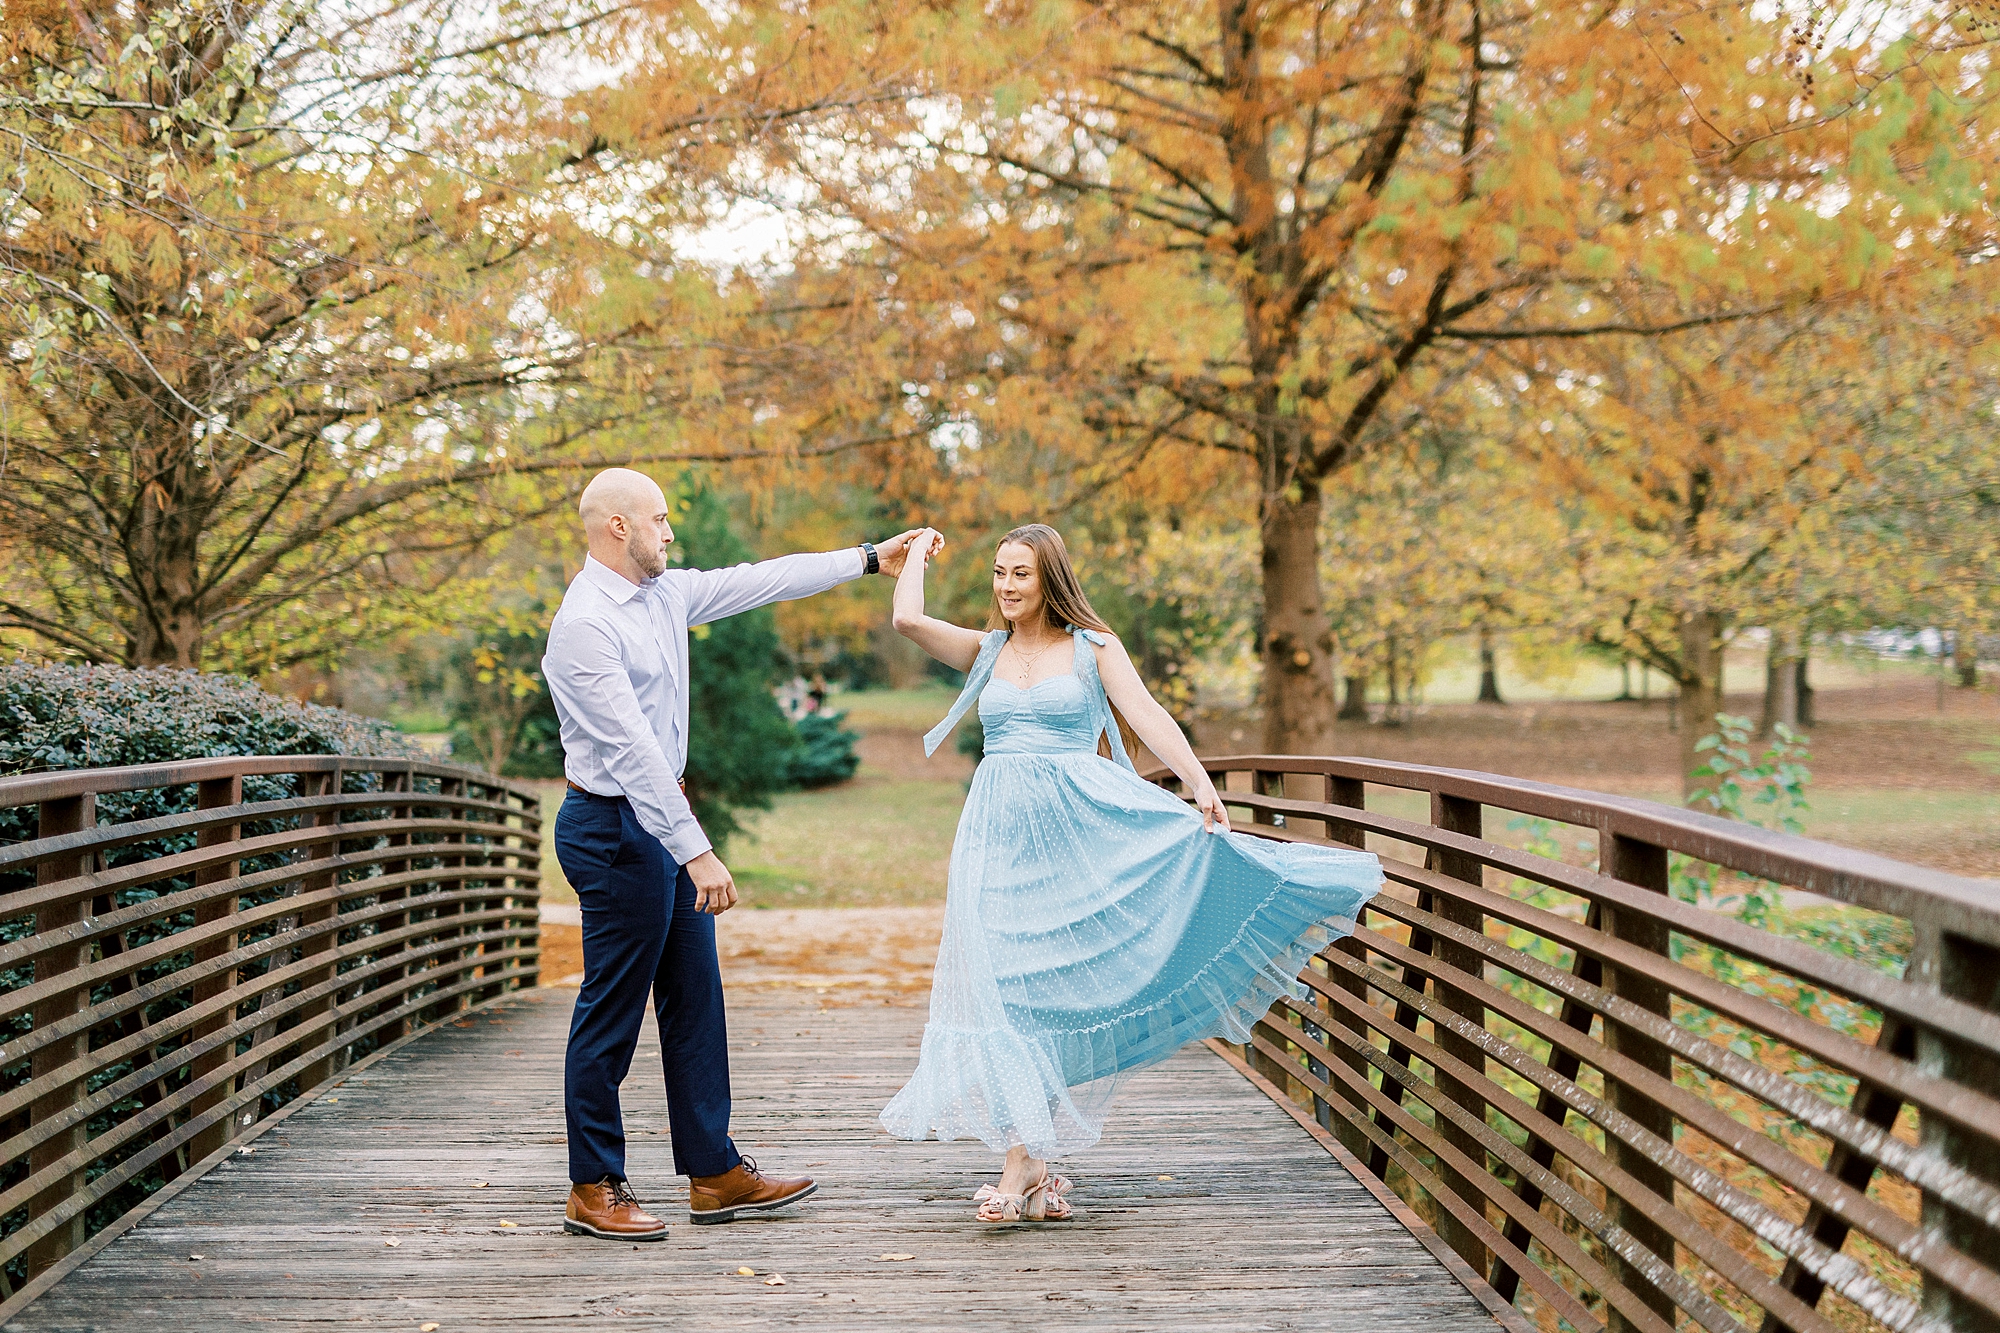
(647, 877)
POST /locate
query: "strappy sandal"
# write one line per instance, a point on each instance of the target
(1041, 1202)
(1046, 1202)
(1057, 1185)
(999, 1206)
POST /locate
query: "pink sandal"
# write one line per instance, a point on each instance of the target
(1041, 1202)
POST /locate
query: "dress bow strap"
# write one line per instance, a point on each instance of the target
(1086, 668)
(975, 681)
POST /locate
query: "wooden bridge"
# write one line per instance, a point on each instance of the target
(274, 1056)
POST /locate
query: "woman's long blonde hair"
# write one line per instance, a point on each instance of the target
(1063, 605)
(1063, 602)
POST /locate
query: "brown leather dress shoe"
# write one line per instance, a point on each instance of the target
(610, 1211)
(742, 1189)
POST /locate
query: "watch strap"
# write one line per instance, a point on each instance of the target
(874, 561)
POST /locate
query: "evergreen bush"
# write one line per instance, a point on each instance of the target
(826, 753)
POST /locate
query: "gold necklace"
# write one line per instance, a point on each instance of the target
(1027, 660)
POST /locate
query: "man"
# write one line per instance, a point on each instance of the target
(647, 877)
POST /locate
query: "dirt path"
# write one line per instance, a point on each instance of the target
(847, 954)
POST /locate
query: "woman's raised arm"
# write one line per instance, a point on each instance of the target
(953, 645)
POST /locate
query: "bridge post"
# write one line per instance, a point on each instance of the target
(451, 966)
(1352, 793)
(394, 783)
(322, 784)
(71, 814)
(217, 794)
(1645, 865)
(1967, 970)
(1459, 815)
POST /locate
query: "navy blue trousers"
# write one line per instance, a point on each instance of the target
(641, 933)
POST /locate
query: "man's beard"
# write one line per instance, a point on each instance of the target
(650, 559)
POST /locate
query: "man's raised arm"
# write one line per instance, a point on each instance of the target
(713, 594)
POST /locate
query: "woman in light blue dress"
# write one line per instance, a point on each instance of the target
(1094, 922)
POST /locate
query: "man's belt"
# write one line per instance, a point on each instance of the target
(588, 792)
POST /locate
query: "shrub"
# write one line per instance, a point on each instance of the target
(827, 754)
(61, 717)
(972, 736)
(58, 717)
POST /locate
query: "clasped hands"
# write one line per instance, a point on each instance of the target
(891, 554)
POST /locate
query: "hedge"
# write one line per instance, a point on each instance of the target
(62, 717)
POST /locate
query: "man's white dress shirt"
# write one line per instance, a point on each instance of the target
(617, 669)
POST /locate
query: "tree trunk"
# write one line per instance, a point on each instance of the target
(167, 630)
(164, 554)
(1354, 708)
(1965, 659)
(1781, 682)
(1489, 669)
(1298, 645)
(1803, 690)
(1700, 688)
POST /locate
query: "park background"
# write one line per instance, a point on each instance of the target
(1490, 386)
(1599, 394)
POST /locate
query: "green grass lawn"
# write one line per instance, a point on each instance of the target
(876, 842)
(1924, 825)
(902, 710)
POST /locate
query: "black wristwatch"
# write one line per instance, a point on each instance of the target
(874, 561)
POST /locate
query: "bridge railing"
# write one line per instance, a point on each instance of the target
(169, 979)
(1625, 1108)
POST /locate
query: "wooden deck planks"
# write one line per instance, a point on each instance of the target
(1258, 1229)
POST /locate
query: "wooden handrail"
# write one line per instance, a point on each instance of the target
(239, 954)
(1578, 1072)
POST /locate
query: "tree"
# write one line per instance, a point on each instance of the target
(1167, 252)
(501, 711)
(1771, 473)
(1439, 537)
(302, 303)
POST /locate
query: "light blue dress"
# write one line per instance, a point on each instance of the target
(1092, 926)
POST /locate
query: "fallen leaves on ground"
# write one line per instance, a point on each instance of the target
(197, 1256)
(774, 1282)
(746, 1272)
(431, 1327)
(392, 1244)
(895, 1258)
(510, 1224)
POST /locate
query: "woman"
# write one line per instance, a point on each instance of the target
(1093, 923)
